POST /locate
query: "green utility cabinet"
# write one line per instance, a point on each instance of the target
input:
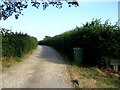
(78, 55)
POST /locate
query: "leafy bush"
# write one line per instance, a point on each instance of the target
(16, 44)
(99, 41)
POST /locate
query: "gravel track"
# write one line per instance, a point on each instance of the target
(45, 68)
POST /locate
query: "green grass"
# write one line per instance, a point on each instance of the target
(8, 62)
(110, 82)
(93, 73)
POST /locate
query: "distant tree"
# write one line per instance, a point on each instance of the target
(46, 37)
(10, 7)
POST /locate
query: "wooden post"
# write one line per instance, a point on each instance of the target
(115, 64)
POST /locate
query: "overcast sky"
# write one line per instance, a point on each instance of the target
(53, 21)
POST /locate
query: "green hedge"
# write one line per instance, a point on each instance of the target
(99, 41)
(16, 44)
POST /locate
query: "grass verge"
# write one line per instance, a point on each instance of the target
(92, 77)
(6, 63)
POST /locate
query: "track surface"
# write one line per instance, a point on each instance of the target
(44, 68)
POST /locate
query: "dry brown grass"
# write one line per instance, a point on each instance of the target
(92, 77)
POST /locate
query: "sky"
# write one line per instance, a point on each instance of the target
(53, 21)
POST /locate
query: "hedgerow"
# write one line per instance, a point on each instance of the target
(99, 42)
(16, 44)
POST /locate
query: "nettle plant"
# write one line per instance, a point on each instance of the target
(10, 7)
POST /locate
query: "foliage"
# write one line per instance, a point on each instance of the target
(16, 44)
(10, 7)
(46, 37)
(99, 41)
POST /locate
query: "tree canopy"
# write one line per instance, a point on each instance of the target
(10, 7)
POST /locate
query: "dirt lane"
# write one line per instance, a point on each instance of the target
(45, 68)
